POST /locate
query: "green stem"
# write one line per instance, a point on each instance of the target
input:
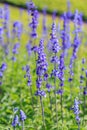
(22, 125)
(78, 126)
(50, 102)
(42, 109)
(84, 100)
(61, 107)
(14, 128)
(31, 96)
(55, 94)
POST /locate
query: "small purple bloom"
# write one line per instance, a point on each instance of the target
(3, 67)
(86, 73)
(83, 61)
(40, 93)
(46, 76)
(48, 86)
(13, 59)
(1, 74)
(60, 92)
(22, 115)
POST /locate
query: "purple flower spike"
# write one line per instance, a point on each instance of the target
(22, 115)
(76, 110)
(15, 121)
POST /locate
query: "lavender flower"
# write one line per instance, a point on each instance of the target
(29, 48)
(75, 45)
(1, 37)
(60, 92)
(28, 76)
(41, 69)
(69, 13)
(30, 6)
(15, 121)
(40, 93)
(33, 25)
(22, 115)
(54, 40)
(55, 47)
(83, 61)
(2, 69)
(54, 15)
(17, 29)
(76, 112)
(65, 33)
(44, 27)
(1, 74)
(14, 50)
(1, 13)
(86, 73)
(41, 61)
(48, 86)
(46, 77)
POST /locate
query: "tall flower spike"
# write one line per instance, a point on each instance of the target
(28, 76)
(76, 44)
(54, 41)
(17, 29)
(76, 111)
(15, 121)
(2, 69)
(33, 25)
(44, 27)
(61, 70)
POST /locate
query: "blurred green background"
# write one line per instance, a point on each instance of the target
(59, 5)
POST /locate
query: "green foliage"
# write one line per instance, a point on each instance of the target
(59, 5)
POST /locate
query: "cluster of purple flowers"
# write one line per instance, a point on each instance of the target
(41, 67)
(2, 69)
(15, 51)
(30, 6)
(17, 29)
(34, 23)
(27, 75)
(1, 36)
(29, 48)
(1, 13)
(16, 119)
(61, 73)
(55, 49)
(76, 110)
(44, 27)
(48, 86)
(54, 41)
(76, 43)
(85, 88)
(66, 38)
